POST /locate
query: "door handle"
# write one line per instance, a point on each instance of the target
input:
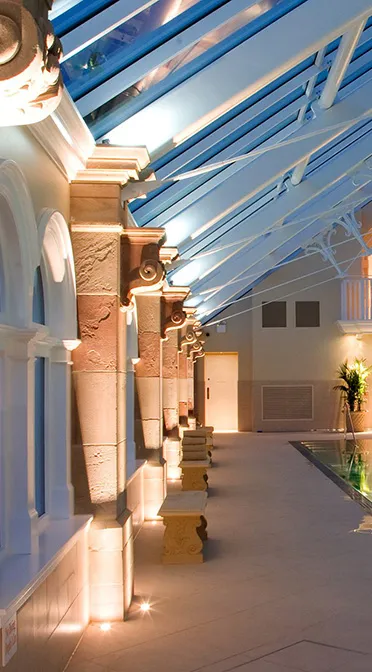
(207, 392)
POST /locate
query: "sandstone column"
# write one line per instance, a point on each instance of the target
(99, 376)
(142, 280)
(173, 318)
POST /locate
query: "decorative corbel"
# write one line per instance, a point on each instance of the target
(188, 339)
(200, 353)
(30, 78)
(141, 268)
(173, 316)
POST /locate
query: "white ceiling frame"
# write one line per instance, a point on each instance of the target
(333, 82)
(263, 171)
(157, 57)
(282, 45)
(234, 149)
(234, 230)
(100, 24)
(306, 195)
(279, 245)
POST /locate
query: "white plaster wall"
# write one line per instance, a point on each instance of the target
(48, 186)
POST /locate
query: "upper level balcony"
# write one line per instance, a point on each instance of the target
(356, 305)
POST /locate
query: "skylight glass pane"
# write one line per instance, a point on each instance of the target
(160, 73)
(99, 55)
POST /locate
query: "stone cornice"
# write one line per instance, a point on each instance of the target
(168, 254)
(65, 137)
(115, 165)
(145, 236)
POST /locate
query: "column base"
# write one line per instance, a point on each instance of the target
(172, 455)
(111, 568)
(155, 488)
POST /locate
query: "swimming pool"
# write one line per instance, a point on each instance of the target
(348, 464)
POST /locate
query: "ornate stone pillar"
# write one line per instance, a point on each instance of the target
(188, 342)
(174, 317)
(30, 79)
(141, 282)
(98, 223)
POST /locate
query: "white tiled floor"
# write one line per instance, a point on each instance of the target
(285, 586)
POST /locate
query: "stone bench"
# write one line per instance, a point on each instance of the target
(196, 451)
(194, 474)
(185, 527)
(201, 434)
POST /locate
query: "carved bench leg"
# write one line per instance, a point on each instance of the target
(202, 529)
(182, 543)
(194, 478)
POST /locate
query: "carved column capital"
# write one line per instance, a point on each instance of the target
(141, 268)
(30, 78)
(173, 316)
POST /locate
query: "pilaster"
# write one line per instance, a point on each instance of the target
(173, 318)
(98, 223)
(141, 285)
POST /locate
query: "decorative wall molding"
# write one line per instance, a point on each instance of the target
(30, 78)
(65, 137)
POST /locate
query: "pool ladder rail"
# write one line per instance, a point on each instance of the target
(346, 410)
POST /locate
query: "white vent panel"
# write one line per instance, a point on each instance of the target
(287, 402)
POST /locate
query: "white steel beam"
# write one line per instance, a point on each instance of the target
(157, 57)
(61, 6)
(264, 170)
(344, 55)
(285, 247)
(179, 200)
(309, 194)
(102, 23)
(281, 46)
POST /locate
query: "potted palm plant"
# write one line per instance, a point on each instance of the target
(354, 388)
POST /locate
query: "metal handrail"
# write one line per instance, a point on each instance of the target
(346, 411)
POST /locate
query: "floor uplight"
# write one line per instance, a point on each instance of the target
(105, 627)
(145, 607)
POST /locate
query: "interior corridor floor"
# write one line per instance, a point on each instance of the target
(285, 586)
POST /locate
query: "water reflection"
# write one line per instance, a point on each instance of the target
(352, 461)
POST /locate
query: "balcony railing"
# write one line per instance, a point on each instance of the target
(356, 299)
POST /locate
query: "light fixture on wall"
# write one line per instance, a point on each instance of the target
(221, 327)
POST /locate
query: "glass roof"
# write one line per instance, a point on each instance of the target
(160, 73)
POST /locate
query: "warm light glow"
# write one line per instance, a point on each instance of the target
(145, 607)
(105, 627)
(154, 522)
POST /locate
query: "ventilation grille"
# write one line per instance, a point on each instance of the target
(287, 402)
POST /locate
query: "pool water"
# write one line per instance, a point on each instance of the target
(350, 461)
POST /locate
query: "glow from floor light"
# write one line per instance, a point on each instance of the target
(145, 607)
(105, 627)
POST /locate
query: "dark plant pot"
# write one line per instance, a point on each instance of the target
(358, 419)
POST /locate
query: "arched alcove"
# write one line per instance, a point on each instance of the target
(57, 270)
(19, 246)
